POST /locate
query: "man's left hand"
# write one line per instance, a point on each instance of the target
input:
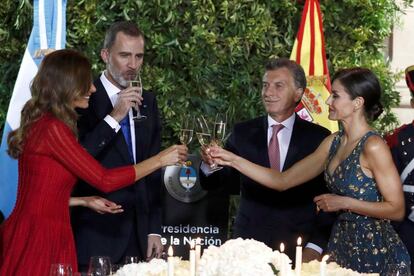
(154, 249)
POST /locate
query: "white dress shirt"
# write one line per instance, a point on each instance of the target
(283, 136)
(112, 92)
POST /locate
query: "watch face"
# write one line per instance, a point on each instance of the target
(182, 182)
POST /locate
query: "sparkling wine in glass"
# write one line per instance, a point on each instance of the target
(203, 131)
(136, 113)
(219, 132)
(187, 130)
(205, 138)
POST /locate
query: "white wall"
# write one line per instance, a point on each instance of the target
(402, 57)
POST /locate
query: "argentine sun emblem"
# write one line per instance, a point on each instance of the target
(182, 182)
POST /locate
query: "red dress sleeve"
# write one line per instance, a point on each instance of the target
(65, 149)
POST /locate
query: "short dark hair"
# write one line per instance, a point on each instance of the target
(362, 82)
(126, 27)
(295, 69)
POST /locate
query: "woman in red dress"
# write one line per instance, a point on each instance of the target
(38, 232)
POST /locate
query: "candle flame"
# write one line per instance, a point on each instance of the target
(192, 244)
(198, 240)
(299, 241)
(170, 251)
(325, 258)
(282, 247)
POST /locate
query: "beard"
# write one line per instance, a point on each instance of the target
(117, 76)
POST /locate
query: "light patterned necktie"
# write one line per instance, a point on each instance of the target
(274, 154)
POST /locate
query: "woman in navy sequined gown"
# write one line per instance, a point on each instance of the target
(362, 243)
(365, 187)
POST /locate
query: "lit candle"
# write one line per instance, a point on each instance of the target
(323, 265)
(192, 259)
(170, 261)
(298, 259)
(198, 252)
(282, 261)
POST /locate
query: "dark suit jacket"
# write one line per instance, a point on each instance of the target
(108, 235)
(402, 149)
(265, 214)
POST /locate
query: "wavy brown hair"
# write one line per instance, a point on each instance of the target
(63, 77)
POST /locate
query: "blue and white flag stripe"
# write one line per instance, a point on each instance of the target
(48, 33)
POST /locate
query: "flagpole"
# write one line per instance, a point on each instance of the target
(49, 25)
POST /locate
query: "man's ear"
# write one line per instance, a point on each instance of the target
(298, 94)
(105, 55)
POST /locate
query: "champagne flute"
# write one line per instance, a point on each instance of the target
(99, 266)
(186, 132)
(203, 131)
(136, 113)
(131, 260)
(219, 133)
(60, 270)
(204, 138)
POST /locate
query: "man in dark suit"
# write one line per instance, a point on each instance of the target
(267, 215)
(401, 143)
(107, 131)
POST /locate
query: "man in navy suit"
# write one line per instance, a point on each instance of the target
(267, 215)
(108, 132)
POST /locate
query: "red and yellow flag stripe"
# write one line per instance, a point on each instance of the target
(309, 51)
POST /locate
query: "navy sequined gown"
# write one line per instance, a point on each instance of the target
(358, 242)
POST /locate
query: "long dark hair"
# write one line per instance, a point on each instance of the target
(63, 76)
(362, 82)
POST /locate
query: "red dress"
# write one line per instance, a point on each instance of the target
(38, 232)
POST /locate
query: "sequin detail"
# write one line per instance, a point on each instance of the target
(364, 244)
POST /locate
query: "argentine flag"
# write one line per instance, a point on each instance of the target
(48, 34)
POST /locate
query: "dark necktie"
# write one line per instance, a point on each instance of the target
(274, 154)
(126, 131)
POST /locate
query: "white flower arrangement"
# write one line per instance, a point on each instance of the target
(332, 269)
(236, 257)
(155, 267)
(241, 257)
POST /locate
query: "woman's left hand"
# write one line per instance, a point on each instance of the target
(102, 205)
(331, 202)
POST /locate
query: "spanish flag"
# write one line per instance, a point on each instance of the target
(309, 51)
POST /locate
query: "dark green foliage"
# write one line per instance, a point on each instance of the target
(15, 27)
(207, 56)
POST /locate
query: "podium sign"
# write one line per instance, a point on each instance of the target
(189, 212)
